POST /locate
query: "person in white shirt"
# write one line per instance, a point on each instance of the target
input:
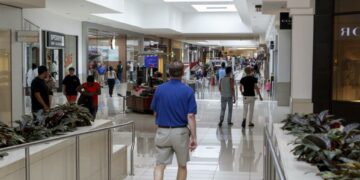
(31, 74)
(131, 71)
(111, 76)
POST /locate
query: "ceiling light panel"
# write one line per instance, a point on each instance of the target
(198, 0)
(215, 8)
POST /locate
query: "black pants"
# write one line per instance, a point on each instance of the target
(111, 84)
(119, 76)
(93, 110)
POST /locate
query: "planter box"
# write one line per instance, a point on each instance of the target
(293, 169)
(139, 104)
(56, 160)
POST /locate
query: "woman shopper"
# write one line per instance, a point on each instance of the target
(70, 83)
(226, 88)
(268, 87)
(111, 76)
(89, 95)
(248, 85)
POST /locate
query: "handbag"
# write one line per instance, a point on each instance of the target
(84, 100)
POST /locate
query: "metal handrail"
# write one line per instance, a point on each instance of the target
(27, 146)
(271, 147)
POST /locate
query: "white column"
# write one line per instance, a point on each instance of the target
(283, 68)
(302, 63)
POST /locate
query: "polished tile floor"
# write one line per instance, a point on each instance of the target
(223, 153)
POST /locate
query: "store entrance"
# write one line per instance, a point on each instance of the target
(54, 63)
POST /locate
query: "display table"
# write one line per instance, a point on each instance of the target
(56, 160)
(139, 104)
(293, 169)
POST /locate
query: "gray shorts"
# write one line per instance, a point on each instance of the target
(170, 141)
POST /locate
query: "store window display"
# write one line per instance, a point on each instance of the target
(346, 63)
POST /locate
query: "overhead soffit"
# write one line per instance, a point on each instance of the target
(25, 3)
(274, 7)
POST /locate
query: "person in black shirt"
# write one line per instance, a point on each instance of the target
(71, 82)
(40, 93)
(248, 85)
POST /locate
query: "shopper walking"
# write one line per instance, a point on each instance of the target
(226, 88)
(70, 83)
(248, 85)
(111, 76)
(174, 107)
(222, 71)
(268, 87)
(101, 70)
(119, 71)
(89, 95)
(40, 93)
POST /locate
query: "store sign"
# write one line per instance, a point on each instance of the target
(55, 39)
(285, 20)
(27, 36)
(151, 61)
(350, 31)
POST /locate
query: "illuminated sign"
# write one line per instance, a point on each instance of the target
(350, 31)
(55, 39)
(27, 36)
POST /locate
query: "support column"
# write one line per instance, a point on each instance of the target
(302, 63)
(283, 68)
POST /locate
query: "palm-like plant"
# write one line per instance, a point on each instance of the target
(336, 153)
(298, 124)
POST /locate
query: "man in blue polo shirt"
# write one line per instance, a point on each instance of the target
(174, 107)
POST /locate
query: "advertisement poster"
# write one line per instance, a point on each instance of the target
(151, 61)
(104, 53)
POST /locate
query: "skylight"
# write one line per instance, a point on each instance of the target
(198, 0)
(215, 8)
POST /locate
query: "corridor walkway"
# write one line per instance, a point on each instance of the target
(223, 153)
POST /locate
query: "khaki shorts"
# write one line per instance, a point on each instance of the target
(170, 141)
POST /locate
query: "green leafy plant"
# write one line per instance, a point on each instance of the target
(31, 130)
(8, 136)
(298, 124)
(65, 118)
(60, 119)
(336, 152)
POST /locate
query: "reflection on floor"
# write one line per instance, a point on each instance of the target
(223, 153)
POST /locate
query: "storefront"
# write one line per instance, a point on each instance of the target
(10, 65)
(59, 54)
(104, 45)
(338, 79)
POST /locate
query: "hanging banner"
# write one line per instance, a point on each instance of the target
(27, 36)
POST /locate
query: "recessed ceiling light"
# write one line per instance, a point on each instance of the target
(198, 0)
(215, 8)
(247, 48)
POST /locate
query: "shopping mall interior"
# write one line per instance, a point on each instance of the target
(301, 55)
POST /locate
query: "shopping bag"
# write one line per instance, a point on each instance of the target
(84, 100)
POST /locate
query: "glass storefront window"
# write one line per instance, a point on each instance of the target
(32, 56)
(70, 59)
(5, 72)
(343, 6)
(346, 63)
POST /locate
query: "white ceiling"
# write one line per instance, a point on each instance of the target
(176, 20)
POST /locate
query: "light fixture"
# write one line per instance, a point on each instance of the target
(215, 8)
(247, 48)
(198, 0)
(113, 41)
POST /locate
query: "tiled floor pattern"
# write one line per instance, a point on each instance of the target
(223, 153)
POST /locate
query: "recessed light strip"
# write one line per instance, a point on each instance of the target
(198, 0)
(215, 8)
